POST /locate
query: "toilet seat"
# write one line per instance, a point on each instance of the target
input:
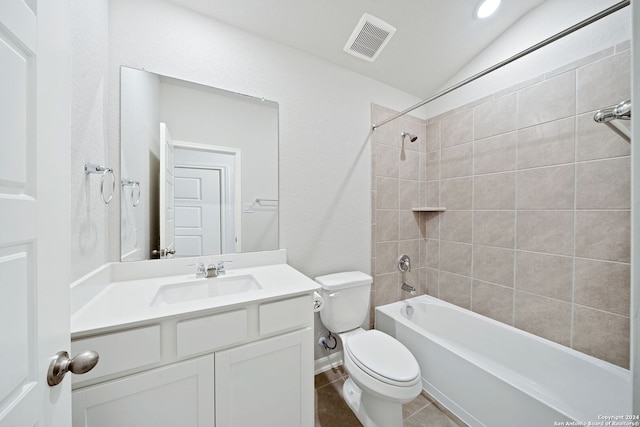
(383, 358)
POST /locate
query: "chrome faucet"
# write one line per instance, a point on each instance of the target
(211, 270)
(409, 288)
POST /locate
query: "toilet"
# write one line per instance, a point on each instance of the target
(383, 374)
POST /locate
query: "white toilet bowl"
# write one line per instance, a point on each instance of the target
(383, 375)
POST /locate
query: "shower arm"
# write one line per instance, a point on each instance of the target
(606, 12)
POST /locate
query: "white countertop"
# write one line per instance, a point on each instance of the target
(127, 303)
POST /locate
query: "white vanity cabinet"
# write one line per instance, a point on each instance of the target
(241, 366)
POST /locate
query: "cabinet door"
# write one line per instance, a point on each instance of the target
(268, 383)
(177, 395)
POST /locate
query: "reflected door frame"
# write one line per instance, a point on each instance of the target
(234, 211)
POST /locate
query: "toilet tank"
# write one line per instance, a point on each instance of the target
(346, 300)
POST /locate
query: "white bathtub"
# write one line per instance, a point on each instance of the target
(490, 374)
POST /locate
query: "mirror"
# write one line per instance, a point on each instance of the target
(199, 169)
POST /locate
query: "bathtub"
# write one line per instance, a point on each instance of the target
(491, 374)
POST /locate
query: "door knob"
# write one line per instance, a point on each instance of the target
(82, 363)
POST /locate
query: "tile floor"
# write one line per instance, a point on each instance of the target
(332, 411)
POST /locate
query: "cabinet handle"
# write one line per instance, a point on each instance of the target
(61, 364)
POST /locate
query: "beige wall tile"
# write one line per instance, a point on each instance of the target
(455, 257)
(496, 154)
(604, 184)
(386, 193)
(603, 335)
(387, 163)
(545, 231)
(386, 225)
(433, 253)
(432, 224)
(456, 194)
(386, 289)
(433, 193)
(494, 228)
(386, 257)
(542, 274)
(388, 134)
(546, 144)
(422, 173)
(597, 141)
(605, 82)
(433, 136)
(408, 225)
(456, 161)
(409, 194)
(495, 191)
(545, 317)
(457, 129)
(550, 100)
(456, 226)
(493, 265)
(432, 282)
(546, 188)
(603, 285)
(433, 166)
(493, 301)
(409, 165)
(603, 235)
(495, 117)
(455, 289)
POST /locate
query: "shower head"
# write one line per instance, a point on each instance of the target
(411, 136)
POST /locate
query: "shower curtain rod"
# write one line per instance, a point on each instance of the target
(606, 12)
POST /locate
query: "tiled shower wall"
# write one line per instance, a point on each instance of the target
(537, 228)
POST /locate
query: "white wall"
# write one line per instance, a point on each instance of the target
(89, 238)
(542, 22)
(324, 121)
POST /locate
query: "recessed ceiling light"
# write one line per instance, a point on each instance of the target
(487, 8)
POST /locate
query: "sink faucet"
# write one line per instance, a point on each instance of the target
(209, 271)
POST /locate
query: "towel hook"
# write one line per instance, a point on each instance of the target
(92, 168)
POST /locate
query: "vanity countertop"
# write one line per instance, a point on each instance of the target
(128, 303)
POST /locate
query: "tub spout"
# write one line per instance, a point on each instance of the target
(409, 288)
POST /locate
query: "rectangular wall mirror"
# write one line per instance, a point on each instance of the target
(199, 169)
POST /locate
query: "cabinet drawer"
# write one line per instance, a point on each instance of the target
(285, 314)
(120, 351)
(209, 333)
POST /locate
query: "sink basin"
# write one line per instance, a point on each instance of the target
(204, 288)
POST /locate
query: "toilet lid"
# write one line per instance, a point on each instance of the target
(383, 357)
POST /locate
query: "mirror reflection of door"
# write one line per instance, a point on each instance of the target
(197, 205)
(167, 213)
(206, 200)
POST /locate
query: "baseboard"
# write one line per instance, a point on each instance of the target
(329, 362)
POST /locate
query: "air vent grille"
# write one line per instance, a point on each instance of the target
(369, 38)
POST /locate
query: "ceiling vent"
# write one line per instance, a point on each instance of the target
(369, 37)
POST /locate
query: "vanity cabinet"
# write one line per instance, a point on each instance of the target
(248, 365)
(180, 394)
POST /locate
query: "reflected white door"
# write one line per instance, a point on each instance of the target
(34, 209)
(197, 209)
(167, 220)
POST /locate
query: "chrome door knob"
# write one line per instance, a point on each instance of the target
(61, 364)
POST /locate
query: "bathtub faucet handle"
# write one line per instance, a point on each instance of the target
(404, 263)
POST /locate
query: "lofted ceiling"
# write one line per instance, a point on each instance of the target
(434, 38)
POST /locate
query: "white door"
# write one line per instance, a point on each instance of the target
(167, 233)
(34, 209)
(197, 209)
